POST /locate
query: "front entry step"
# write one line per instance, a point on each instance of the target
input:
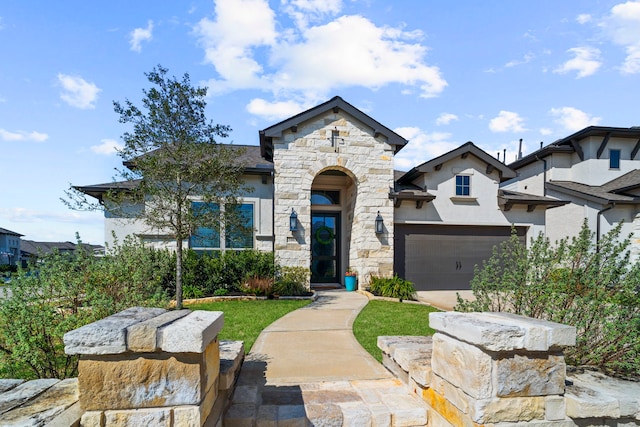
(325, 286)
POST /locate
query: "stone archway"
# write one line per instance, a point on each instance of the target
(333, 197)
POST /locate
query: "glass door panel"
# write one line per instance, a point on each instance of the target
(325, 244)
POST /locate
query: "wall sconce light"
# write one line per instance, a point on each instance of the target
(379, 224)
(293, 221)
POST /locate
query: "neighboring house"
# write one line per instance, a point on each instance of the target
(9, 247)
(31, 250)
(596, 171)
(450, 213)
(324, 195)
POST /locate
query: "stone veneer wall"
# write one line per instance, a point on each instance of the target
(149, 366)
(368, 160)
(503, 370)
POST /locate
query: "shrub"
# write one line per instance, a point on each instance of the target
(65, 291)
(292, 281)
(392, 287)
(593, 287)
(259, 286)
(210, 271)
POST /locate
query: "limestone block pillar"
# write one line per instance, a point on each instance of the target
(148, 366)
(490, 368)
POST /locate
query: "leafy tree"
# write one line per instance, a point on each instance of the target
(173, 158)
(594, 287)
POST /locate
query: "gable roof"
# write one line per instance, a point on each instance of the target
(610, 192)
(570, 144)
(461, 152)
(335, 104)
(9, 232)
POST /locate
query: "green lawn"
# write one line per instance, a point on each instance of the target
(244, 320)
(390, 318)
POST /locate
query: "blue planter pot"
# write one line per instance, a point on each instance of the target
(350, 283)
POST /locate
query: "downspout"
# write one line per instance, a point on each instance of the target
(544, 176)
(600, 212)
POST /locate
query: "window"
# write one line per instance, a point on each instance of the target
(614, 159)
(463, 185)
(235, 236)
(325, 197)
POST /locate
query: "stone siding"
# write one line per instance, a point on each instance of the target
(499, 369)
(367, 159)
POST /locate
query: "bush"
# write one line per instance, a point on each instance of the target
(211, 271)
(65, 291)
(577, 282)
(259, 286)
(292, 281)
(392, 287)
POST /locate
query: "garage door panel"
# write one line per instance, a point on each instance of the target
(443, 257)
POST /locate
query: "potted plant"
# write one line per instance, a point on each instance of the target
(350, 279)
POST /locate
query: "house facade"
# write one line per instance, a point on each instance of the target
(597, 172)
(323, 194)
(9, 247)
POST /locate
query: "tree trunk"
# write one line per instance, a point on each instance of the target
(179, 273)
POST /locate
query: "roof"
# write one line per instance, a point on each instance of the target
(9, 232)
(249, 158)
(31, 247)
(462, 152)
(610, 192)
(569, 144)
(599, 194)
(98, 190)
(335, 104)
(508, 198)
(253, 164)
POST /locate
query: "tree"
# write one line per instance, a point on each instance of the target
(172, 159)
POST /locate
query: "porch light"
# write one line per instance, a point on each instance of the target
(379, 224)
(293, 221)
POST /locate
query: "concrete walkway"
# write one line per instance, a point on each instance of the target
(308, 369)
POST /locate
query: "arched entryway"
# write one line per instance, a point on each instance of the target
(333, 195)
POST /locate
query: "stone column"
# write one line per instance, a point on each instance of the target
(148, 366)
(490, 368)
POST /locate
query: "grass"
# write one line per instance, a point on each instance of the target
(244, 320)
(390, 318)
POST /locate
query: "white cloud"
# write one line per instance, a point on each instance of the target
(546, 131)
(446, 118)
(140, 35)
(586, 61)
(583, 18)
(77, 92)
(525, 60)
(422, 146)
(507, 121)
(251, 50)
(623, 27)
(230, 40)
(573, 119)
(276, 110)
(20, 135)
(108, 147)
(305, 11)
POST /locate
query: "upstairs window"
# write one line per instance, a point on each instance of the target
(614, 159)
(463, 185)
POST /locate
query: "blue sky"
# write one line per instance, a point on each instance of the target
(439, 73)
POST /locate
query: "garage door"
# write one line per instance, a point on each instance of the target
(440, 257)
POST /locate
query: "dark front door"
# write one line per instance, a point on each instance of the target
(325, 244)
